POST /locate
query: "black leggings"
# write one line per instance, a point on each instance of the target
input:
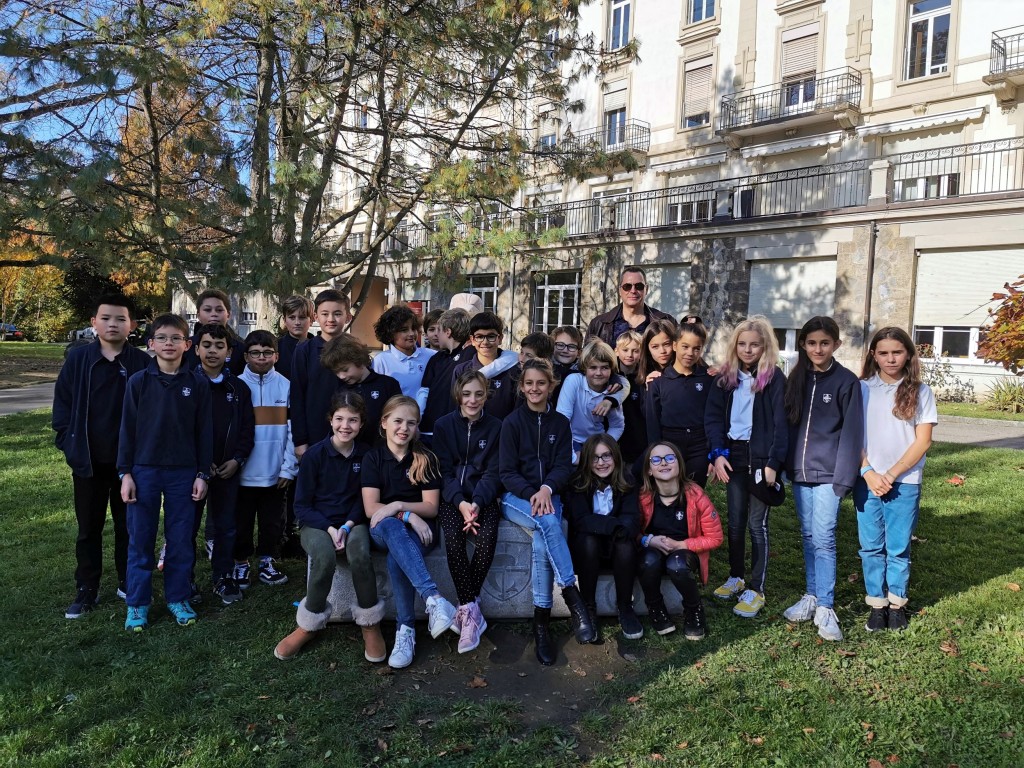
(590, 550)
(467, 574)
(683, 570)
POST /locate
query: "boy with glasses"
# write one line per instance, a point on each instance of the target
(485, 333)
(632, 313)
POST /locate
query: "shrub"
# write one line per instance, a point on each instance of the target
(938, 374)
(1007, 395)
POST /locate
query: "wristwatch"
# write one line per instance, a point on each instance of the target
(202, 476)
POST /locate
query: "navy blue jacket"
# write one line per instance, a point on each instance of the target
(437, 380)
(71, 400)
(328, 492)
(579, 509)
(468, 454)
(501, 390)
(675, 406)
(312, 388)
(167, 421)
(376, 389)
(240, 436)
(826, 446)
(634, 437)
(236, 357)
(769, 438)
(536, 450)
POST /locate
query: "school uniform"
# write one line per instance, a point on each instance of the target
(286, 346)
(235, 361)
(166, 442)
(87, 403)
(376, 389)
(576, 402)
(312, 386)
(435, 394)
(603, 528)
(634, 434)
(501, 388)
(407, 370)
(675, 406)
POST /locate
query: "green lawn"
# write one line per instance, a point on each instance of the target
(35, 350)
(755, 693)
(977, 411)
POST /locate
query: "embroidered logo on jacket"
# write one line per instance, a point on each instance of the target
(826, 398)
(375, 394)
(482, 444)
(230, 397)
(699, 387)
(551, 439)
(680, 514)
(186, 391)
(497, 384)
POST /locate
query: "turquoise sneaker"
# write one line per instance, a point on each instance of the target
(138, 618)
(182, 613)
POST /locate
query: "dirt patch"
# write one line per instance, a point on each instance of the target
(18, 371)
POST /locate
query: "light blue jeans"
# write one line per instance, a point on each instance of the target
(406, 567)
(551, 558)
(817, 507)
(885, 526)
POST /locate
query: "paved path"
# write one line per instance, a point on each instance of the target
(26, 398)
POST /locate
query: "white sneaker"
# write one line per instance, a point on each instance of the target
(440, 615)
(405, 647)
(802, 610)
(828, 624)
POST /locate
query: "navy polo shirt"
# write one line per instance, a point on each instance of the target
(327, 491)
(106, 399)
(383, 471)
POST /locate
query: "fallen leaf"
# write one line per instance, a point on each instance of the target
(846, 653)
(892, 759)
(1013, 587)
(250, 727)
(332, 666)
(784, 684)
(385, 671)
(932, 695)
(870, 735)
(809, 731)
(977, 666)
(732, 669)
(656, 756)
(424, 721)
(864, 725)
(872, 763)
(382, 745)
(853, 577)
(1006, 735)
(608, 676)
(634, 699)
(262, 698)
(949, 647)
(698, 664)
(791, 627)
(630, 657)
(795, 644)
(477, 682)
(757, 741)
(956, 480)
(579, 671)
(818, 641)
(682, 745)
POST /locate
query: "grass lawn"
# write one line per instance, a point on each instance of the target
(977, 411)
(35, 350)
(949, 691)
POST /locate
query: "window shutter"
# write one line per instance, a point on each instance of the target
(615, 100)
(791, 292)
(799, 50)
(955, 288)
(697, 88)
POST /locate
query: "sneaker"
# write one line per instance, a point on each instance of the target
(196, 596)
(227, 590)
(632, 629)
(138, 618)
(660, 620)
(694, 623)
(897, 620)
(440, 615)
(122, 590)
(827, 623)
(878, 620)
(750, 603)
(163, 556)
(182, 613)
(86, 599)
(473, 626)
(460, 616)
(269, 573)
(405, 647)
(802, 610)
(209, 549)
(240, 575)
(732, 587)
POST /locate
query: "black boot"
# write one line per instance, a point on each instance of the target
(545, 648)
(694, 624)
(579, 617)
(632, 629)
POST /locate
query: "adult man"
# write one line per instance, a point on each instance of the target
(631, 314)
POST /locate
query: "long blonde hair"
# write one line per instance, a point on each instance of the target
(729, 374)
(424, 463)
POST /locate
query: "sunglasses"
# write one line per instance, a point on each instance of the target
(656, 460)
(640, 287)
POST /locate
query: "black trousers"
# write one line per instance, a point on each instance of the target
(262, 506)
(591, 551)
(92, 497)
(683, 569)
(469, 575)
(220, 501)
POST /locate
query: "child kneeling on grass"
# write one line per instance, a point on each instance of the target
(329, 509)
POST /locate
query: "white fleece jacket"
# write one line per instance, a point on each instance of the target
(273, 455)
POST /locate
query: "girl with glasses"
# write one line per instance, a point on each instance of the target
(603, 526)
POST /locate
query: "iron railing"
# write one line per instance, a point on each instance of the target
(613, 136)
(1007, 51)
(987, 167)
(828, 91)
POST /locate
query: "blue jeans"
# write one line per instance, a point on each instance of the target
(174, 484)
(550, 553)
(406, 567)
(885, 526)
(817, 507)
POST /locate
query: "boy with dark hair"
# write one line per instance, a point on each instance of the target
(297, 312)
(536, 345)
(312, 384)
(432, 329)
(349, 360)
(233, 436)
(271, 466)
(403, 360)
(87, 403)
(213, 306)
(434, 396)
(485, 332)
(165, 450)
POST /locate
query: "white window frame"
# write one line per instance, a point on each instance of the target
(933, 187)
(939, 331)
(682, 212)
(486, 287)
(620, 20)
(703, 118)
(700, 10)
(930, 18)
(623, 207)
(548, 48)
(542, 299)
(615, 128)
(547, 142)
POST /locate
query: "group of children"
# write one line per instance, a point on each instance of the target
(388, 451)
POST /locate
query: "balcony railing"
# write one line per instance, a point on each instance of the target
(614, 136)
(1007, 51)
(826, 92)
(988, 167)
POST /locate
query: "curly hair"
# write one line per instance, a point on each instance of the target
(394, 320)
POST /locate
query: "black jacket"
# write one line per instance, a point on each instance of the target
(769, 438)
(603, 326)
(311, 391)
(825, 447)
(536, 450)
(286, 346)
(675, 404)
(71, 400)
(468, 454)
(501, 390)
(437, 380)
(240, 434)
(625, 515)
(236, 359)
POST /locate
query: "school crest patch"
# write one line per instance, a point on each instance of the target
(186, 391)
(375, 395)
(497, 384)
(826, 398)
(680, 514)
(551, 439)
(356, 467)
(699, 387)
(482, 444)
(230, 397)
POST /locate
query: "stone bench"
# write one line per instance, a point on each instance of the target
(507, 592)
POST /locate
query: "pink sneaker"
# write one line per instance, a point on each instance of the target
(163, 556)
(460, 615)
(473, 626)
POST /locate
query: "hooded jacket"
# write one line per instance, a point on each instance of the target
(273, 454)
(702, 522)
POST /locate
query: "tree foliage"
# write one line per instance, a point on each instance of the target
(1003, 340)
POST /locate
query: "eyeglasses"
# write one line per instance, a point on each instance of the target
(490, 338)
(261, 353)
(670, 459)
(164, 339)
(602, 458)
(561, 346)
(638, 287)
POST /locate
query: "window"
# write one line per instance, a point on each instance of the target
(799, 68)
(486, 287)
(701, 10)
(689, 212)
(354, 242)
(927, 38)
(548, 142)
(397, 241)
(191, 317)
(743, 203)
(618, 27)
(556, 300)
(928, 187)
(546, 218)
(697, 92)
(616, 213)
(360, 115)
(615, 127)
(949, 341)
(550, 48)
(248, 318)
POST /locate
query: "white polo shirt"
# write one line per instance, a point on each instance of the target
(406, 369)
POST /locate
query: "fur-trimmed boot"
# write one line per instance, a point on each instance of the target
(309, 624)
(369, 620)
